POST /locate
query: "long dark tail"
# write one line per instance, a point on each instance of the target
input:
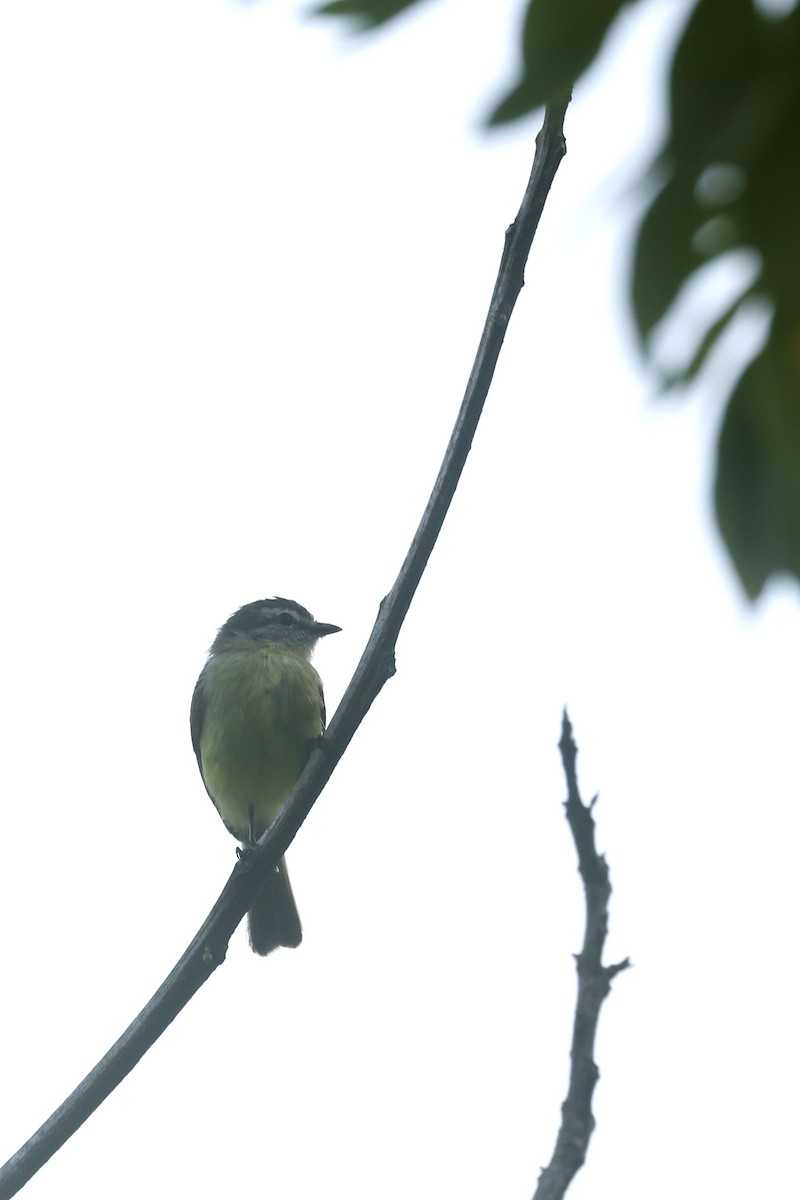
(273, 919)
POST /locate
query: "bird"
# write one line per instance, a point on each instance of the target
(256, 709)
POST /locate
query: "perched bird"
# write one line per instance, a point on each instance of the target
(256, 708)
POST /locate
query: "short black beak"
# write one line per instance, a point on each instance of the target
(322, 630)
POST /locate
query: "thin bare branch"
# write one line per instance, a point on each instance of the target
(594, 983)
(209, 947)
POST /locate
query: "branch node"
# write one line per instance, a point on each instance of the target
(616, 968)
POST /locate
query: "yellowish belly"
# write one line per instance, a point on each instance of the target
(263, 707)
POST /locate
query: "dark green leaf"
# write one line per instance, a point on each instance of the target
(664, 254)
(367, 13)
(733, 73)
(758, 464)
(560, 40)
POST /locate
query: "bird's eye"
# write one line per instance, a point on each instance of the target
(286, 618)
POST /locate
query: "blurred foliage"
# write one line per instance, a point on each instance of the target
(367, 13)
(726, 179)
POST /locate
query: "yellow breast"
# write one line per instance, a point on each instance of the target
(263, 705)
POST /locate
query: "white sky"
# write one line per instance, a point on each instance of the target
(245, 262)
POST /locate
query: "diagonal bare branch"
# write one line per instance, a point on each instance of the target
(209, 947)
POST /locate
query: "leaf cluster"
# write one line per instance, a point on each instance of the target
(727, 179)
(730, 181)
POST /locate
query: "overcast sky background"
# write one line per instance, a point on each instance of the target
(245, 264)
